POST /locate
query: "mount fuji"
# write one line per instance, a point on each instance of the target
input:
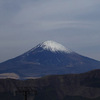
(47, 58)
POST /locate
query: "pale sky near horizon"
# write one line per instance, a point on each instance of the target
(73, 23)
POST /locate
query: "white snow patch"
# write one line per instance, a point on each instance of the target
(54, 47)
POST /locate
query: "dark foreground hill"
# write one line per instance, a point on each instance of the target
(47, 58)
(58, 87)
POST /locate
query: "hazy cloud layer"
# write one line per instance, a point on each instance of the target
(25, 23)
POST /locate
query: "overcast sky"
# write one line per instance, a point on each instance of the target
(73, 23)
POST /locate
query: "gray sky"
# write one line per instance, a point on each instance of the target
(73, 23)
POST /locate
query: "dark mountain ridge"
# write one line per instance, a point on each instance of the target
(84, 86)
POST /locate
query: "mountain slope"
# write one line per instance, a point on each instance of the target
(48, 58)
(56, 87)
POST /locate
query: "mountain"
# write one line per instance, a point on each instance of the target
(55, 87)
(47, 58)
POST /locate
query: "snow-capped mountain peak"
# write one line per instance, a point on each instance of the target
(54, 47)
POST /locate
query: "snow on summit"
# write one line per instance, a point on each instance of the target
(54, 46)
